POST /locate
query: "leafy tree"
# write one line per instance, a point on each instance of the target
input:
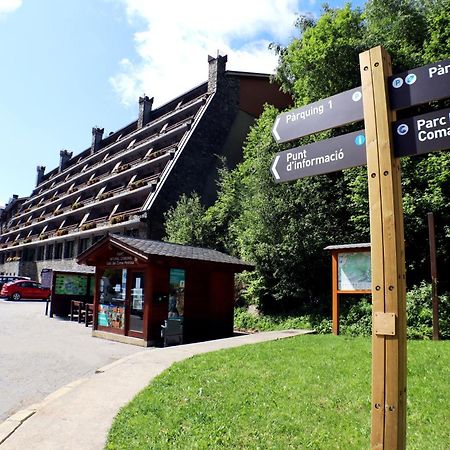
(283, 228)
(184, 224)
(437, 43)
(400, 26)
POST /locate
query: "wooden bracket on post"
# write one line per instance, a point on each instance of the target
(387, 258)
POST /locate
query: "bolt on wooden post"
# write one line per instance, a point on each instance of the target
(387, 258)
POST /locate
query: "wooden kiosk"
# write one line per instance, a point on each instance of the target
(351, 274)
(140, 284)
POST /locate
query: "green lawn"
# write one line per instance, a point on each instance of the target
(308, 392)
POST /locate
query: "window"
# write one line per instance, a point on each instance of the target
(40, 253)
(112, 299)
(97, 238)
(49, 253)
(58, 250)
(28, 254)
(83, 244)
(68, 249)
(132, 233)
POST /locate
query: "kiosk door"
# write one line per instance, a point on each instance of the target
(136, 302)
(111, 313)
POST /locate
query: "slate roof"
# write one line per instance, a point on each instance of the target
(157, 248)
(347, 246)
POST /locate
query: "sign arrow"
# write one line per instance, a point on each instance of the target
(274, 129)
(274, 167)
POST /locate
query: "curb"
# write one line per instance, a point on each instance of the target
(8, 426)
(12, 423)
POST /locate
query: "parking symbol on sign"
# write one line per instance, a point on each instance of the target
(397, 82)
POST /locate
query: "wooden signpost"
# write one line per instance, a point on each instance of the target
(385, 142)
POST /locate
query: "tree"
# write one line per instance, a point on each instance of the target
(184, 223)
(283, 228)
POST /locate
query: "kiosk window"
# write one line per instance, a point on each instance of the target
(176, 292)
(112, 299)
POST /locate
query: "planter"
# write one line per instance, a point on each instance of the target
(137, 185)
(118, 219)
(88, 226)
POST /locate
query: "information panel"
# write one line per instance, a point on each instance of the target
(354, 272)
(71, 284)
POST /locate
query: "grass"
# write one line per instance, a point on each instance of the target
(308, 392)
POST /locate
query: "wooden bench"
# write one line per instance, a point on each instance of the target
(89, 314)
(77, 309)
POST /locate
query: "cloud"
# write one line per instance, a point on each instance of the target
(9, 6)
(176, 38)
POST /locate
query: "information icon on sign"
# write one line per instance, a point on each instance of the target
(360, 139)
(402, 129)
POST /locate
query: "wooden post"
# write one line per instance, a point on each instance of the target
(387, 258)
(335, 302)
(434, 281)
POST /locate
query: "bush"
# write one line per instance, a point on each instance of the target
(356, 317)
(419, 311)
(246, 321)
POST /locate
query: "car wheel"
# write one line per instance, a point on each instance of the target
(16, 296)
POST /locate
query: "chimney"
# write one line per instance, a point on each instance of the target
(216, 71)
(64, 157)
(97, 136)
(40, 174)
(145, 109)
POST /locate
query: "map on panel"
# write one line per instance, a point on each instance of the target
(354, 272)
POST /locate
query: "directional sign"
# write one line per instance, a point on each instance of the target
(328, 113)
(413, 87)
(422, 134)
(421, 85)
(326, 156)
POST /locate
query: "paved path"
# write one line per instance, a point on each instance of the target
(39, 355)
(79, 415)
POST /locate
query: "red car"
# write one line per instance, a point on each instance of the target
(24, 289)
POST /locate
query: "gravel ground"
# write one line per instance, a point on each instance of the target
(39, 355)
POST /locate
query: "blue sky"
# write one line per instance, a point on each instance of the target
(67, 66)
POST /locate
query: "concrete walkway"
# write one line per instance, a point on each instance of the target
(79, 415)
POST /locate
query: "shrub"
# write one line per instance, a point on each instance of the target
(137, 184)
(118, 219)
(419, 311)
(356, 317)
(88, 226)
(246, 321)
(105, 195)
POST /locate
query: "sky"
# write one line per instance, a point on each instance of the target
(68, 66)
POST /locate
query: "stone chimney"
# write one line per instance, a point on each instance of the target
(64, 157)
(216, 71)
(97, 136)
(40, 174)
(145, 109)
